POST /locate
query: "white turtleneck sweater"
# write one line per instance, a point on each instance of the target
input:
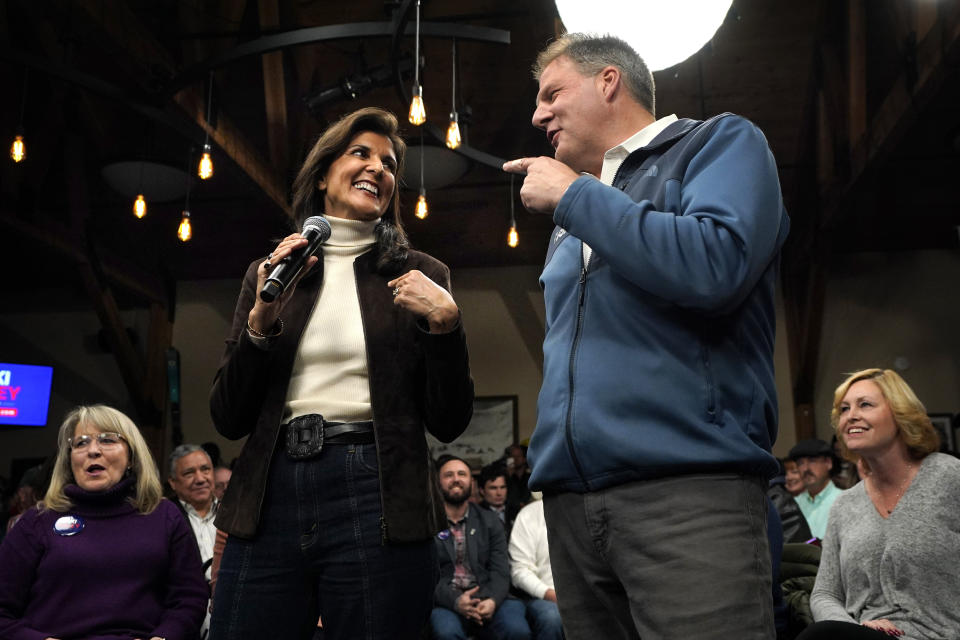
(329, 374)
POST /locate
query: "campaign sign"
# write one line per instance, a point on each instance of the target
(24, 393)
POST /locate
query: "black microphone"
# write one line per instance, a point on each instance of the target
(316, 230)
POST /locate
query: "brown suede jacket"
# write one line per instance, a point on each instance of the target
(417, 380)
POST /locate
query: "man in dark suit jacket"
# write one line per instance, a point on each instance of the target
(471, 594)
(496, 497)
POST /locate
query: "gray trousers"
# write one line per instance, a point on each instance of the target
(684, 557)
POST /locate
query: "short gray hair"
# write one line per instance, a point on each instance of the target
(591, 53)
(181, 451)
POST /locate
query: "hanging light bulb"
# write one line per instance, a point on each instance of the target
(18, 150)
(140, 206)
(185, 230)
(453, 131)
(421, 210)
(205, 168)
(513, 238)
(418, 114)
(422, 205)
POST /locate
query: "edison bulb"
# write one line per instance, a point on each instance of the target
(140, 206)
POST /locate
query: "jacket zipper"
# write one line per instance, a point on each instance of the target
(582, 286)
(276, 441)
(376, 438)
(711, 396)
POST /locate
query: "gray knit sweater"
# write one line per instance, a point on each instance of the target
(905, 568)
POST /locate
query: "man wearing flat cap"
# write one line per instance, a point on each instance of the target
(814, 460)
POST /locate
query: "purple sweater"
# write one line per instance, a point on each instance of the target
(124, 575)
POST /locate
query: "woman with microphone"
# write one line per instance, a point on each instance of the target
(332, 505)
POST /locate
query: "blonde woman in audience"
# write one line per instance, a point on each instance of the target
(104, 555)
(889, 565)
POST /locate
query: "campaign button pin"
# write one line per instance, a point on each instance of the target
(443, 535)
(68, 525)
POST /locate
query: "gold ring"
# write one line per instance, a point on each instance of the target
(396, 291)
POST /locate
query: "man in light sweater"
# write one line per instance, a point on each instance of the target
(530, 571)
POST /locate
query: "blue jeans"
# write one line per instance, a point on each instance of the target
(319, 552)
(544, 619)
(508, 623)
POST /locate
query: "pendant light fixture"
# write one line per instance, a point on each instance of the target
(140, 205)
(453, 131)
(513, 238)
(205, 168)
(185, 230)
(421, 211)
(418, 114)
(18, 150)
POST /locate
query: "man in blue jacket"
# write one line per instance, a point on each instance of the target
(658, 407)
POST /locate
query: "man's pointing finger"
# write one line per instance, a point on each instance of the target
(517, 166)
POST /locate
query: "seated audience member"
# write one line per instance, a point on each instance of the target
(844, 473)
(29, 492)
(794, 526)
(221, 480)
(889, 564)
(814, 460)
(475, 496)
(104, 555)
(471, 595)
(518, 474)
(775, 538)
(213, 450)
(793, 481)
(530, 571)
(493, 490)
(191, 478)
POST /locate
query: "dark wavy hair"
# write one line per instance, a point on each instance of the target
(392, 242)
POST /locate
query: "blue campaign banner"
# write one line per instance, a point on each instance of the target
(24, 394)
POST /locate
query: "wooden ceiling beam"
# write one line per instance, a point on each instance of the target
(935, 62)
(822, 127)
(274, 90)
(850, 147)
(131, 35)
(857, 69)
(49, 235)
(104, 304)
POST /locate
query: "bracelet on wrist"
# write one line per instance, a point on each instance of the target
(254, 332)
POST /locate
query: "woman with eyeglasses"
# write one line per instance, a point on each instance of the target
(103, 555)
